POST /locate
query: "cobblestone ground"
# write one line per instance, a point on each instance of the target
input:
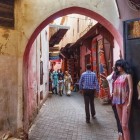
(63, 118)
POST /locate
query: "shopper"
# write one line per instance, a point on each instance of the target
(54, 82)
(111, 78)
(67, 81)
(60, 86)
(88, 85)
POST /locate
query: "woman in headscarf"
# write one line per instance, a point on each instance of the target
(67, 82)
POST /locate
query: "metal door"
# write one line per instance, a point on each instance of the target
(132, 55)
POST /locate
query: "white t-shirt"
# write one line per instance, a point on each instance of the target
(110, 82)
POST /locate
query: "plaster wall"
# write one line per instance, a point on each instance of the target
(45, 59)
(39, 52)
(33, 81)
(76, 30)
(116, 52)
(8, 79)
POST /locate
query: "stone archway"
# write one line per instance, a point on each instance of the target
(77, 10)
(63, 12)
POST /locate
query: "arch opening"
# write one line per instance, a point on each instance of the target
(70, 10)
(63, 12)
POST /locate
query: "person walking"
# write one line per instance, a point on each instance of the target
(50, 79)
(122, 94)
(111, 78)
(54, 82)
(60, 74)
(60, 85)
(67, 82)
(88, 85)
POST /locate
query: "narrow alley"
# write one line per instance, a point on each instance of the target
(48, 47)
(63, 118)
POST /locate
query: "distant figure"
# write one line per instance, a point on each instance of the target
(50, 79)
(67, 81)
(122, 94)
(76, 86)
(88, 85)
(60, 85)
(60, 74)
(54, 82)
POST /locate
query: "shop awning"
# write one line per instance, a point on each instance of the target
(89, 35)
(54, 54)
(53, 49)
(57, 36)
(54, 57)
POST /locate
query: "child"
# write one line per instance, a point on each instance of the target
(60, 85)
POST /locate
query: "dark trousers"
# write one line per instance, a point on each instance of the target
(89, 100)
(54, 89)
(117, 118)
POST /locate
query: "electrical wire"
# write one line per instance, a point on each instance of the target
(79, 18)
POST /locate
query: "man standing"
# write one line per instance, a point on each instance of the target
(88, 84)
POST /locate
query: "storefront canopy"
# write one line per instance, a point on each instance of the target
(57, 36)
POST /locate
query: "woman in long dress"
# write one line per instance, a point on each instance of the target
(67, 82)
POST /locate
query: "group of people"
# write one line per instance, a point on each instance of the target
(60, 82)
(121, 91)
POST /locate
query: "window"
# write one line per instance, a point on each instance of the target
(7, 13)
(41, 72)
(133, 28)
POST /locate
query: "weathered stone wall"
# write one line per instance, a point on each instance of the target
(8, 79)
(39, 53)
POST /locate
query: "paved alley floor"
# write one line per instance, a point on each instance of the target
(63, 118)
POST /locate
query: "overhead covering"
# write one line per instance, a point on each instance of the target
(63, 51)
(94, 31)
(57, 36)
(52, 49)
(53, 54)
(54, 57)
(90, 34)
